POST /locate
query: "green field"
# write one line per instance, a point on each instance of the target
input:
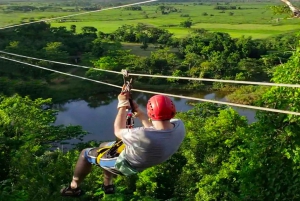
(254, 30)
(255, 19)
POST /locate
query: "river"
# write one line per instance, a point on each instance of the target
(98, 114)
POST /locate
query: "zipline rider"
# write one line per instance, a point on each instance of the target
(137, 148)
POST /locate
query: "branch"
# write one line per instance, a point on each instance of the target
(296, 11)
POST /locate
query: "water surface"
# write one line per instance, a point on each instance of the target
(97, 116)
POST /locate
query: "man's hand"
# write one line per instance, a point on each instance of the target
(123, 100)
(141, 115)
(136, 109)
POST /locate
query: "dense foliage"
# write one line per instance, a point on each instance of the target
(222, 157)
(201, 54)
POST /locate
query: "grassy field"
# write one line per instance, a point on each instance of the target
(254, 30)
(135, 49)
(256, 20)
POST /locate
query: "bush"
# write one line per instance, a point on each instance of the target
(184, 15)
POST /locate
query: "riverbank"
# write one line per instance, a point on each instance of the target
(73, 88)
(61, 88)
(84, 88)
(248, 95)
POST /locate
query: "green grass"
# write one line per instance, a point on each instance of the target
(254, 30)
(255, 20)
(136, 49)
(17, 17)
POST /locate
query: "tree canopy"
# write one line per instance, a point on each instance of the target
(223, 157)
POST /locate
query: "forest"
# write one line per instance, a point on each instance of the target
(222, 158)
(202, 54)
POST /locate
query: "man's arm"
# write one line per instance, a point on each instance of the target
(120, 122)
(142, 116)
(144, 119)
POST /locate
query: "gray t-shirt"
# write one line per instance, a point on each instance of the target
(147, 147)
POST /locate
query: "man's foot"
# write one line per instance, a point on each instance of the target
(68, 191)
(110, 189)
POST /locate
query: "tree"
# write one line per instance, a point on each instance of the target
(187, 23)
(27, 129)
(207, 148)
(274, 141)
(143, 37)
(144, 46)
(176, 73)
(253, 69)
(295, 11)
(106, 63)
(192, 60)
(13, 46)
(89, 29)
(162, 61)
(115, 60)
(135, 8)
(73, 28)
(288, 8)
(53, 51)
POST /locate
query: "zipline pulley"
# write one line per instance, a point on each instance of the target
(127, 86)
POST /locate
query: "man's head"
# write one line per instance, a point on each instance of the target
(160, 108)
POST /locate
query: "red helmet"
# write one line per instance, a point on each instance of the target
(160, 108)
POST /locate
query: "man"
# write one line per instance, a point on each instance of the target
(147, 146)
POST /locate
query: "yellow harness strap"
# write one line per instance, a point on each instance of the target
(119, 146)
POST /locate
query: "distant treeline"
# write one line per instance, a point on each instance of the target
(226, 7)
(49, 8)
(133, 8)
(106, 2)
(215, 1)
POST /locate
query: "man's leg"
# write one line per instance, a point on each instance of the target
(108, 177)
(108, 185)
(82, 169)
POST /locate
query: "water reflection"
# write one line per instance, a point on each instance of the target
(60, 107)
(98, 100)
(97, 114)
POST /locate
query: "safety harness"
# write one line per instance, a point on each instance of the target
(115, 150)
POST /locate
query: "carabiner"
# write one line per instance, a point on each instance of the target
(127, 84)
(127, 88)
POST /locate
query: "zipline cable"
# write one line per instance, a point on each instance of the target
(61, 63)
(83, 13)
(171, 95)
(164, 76)
(61, 72)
